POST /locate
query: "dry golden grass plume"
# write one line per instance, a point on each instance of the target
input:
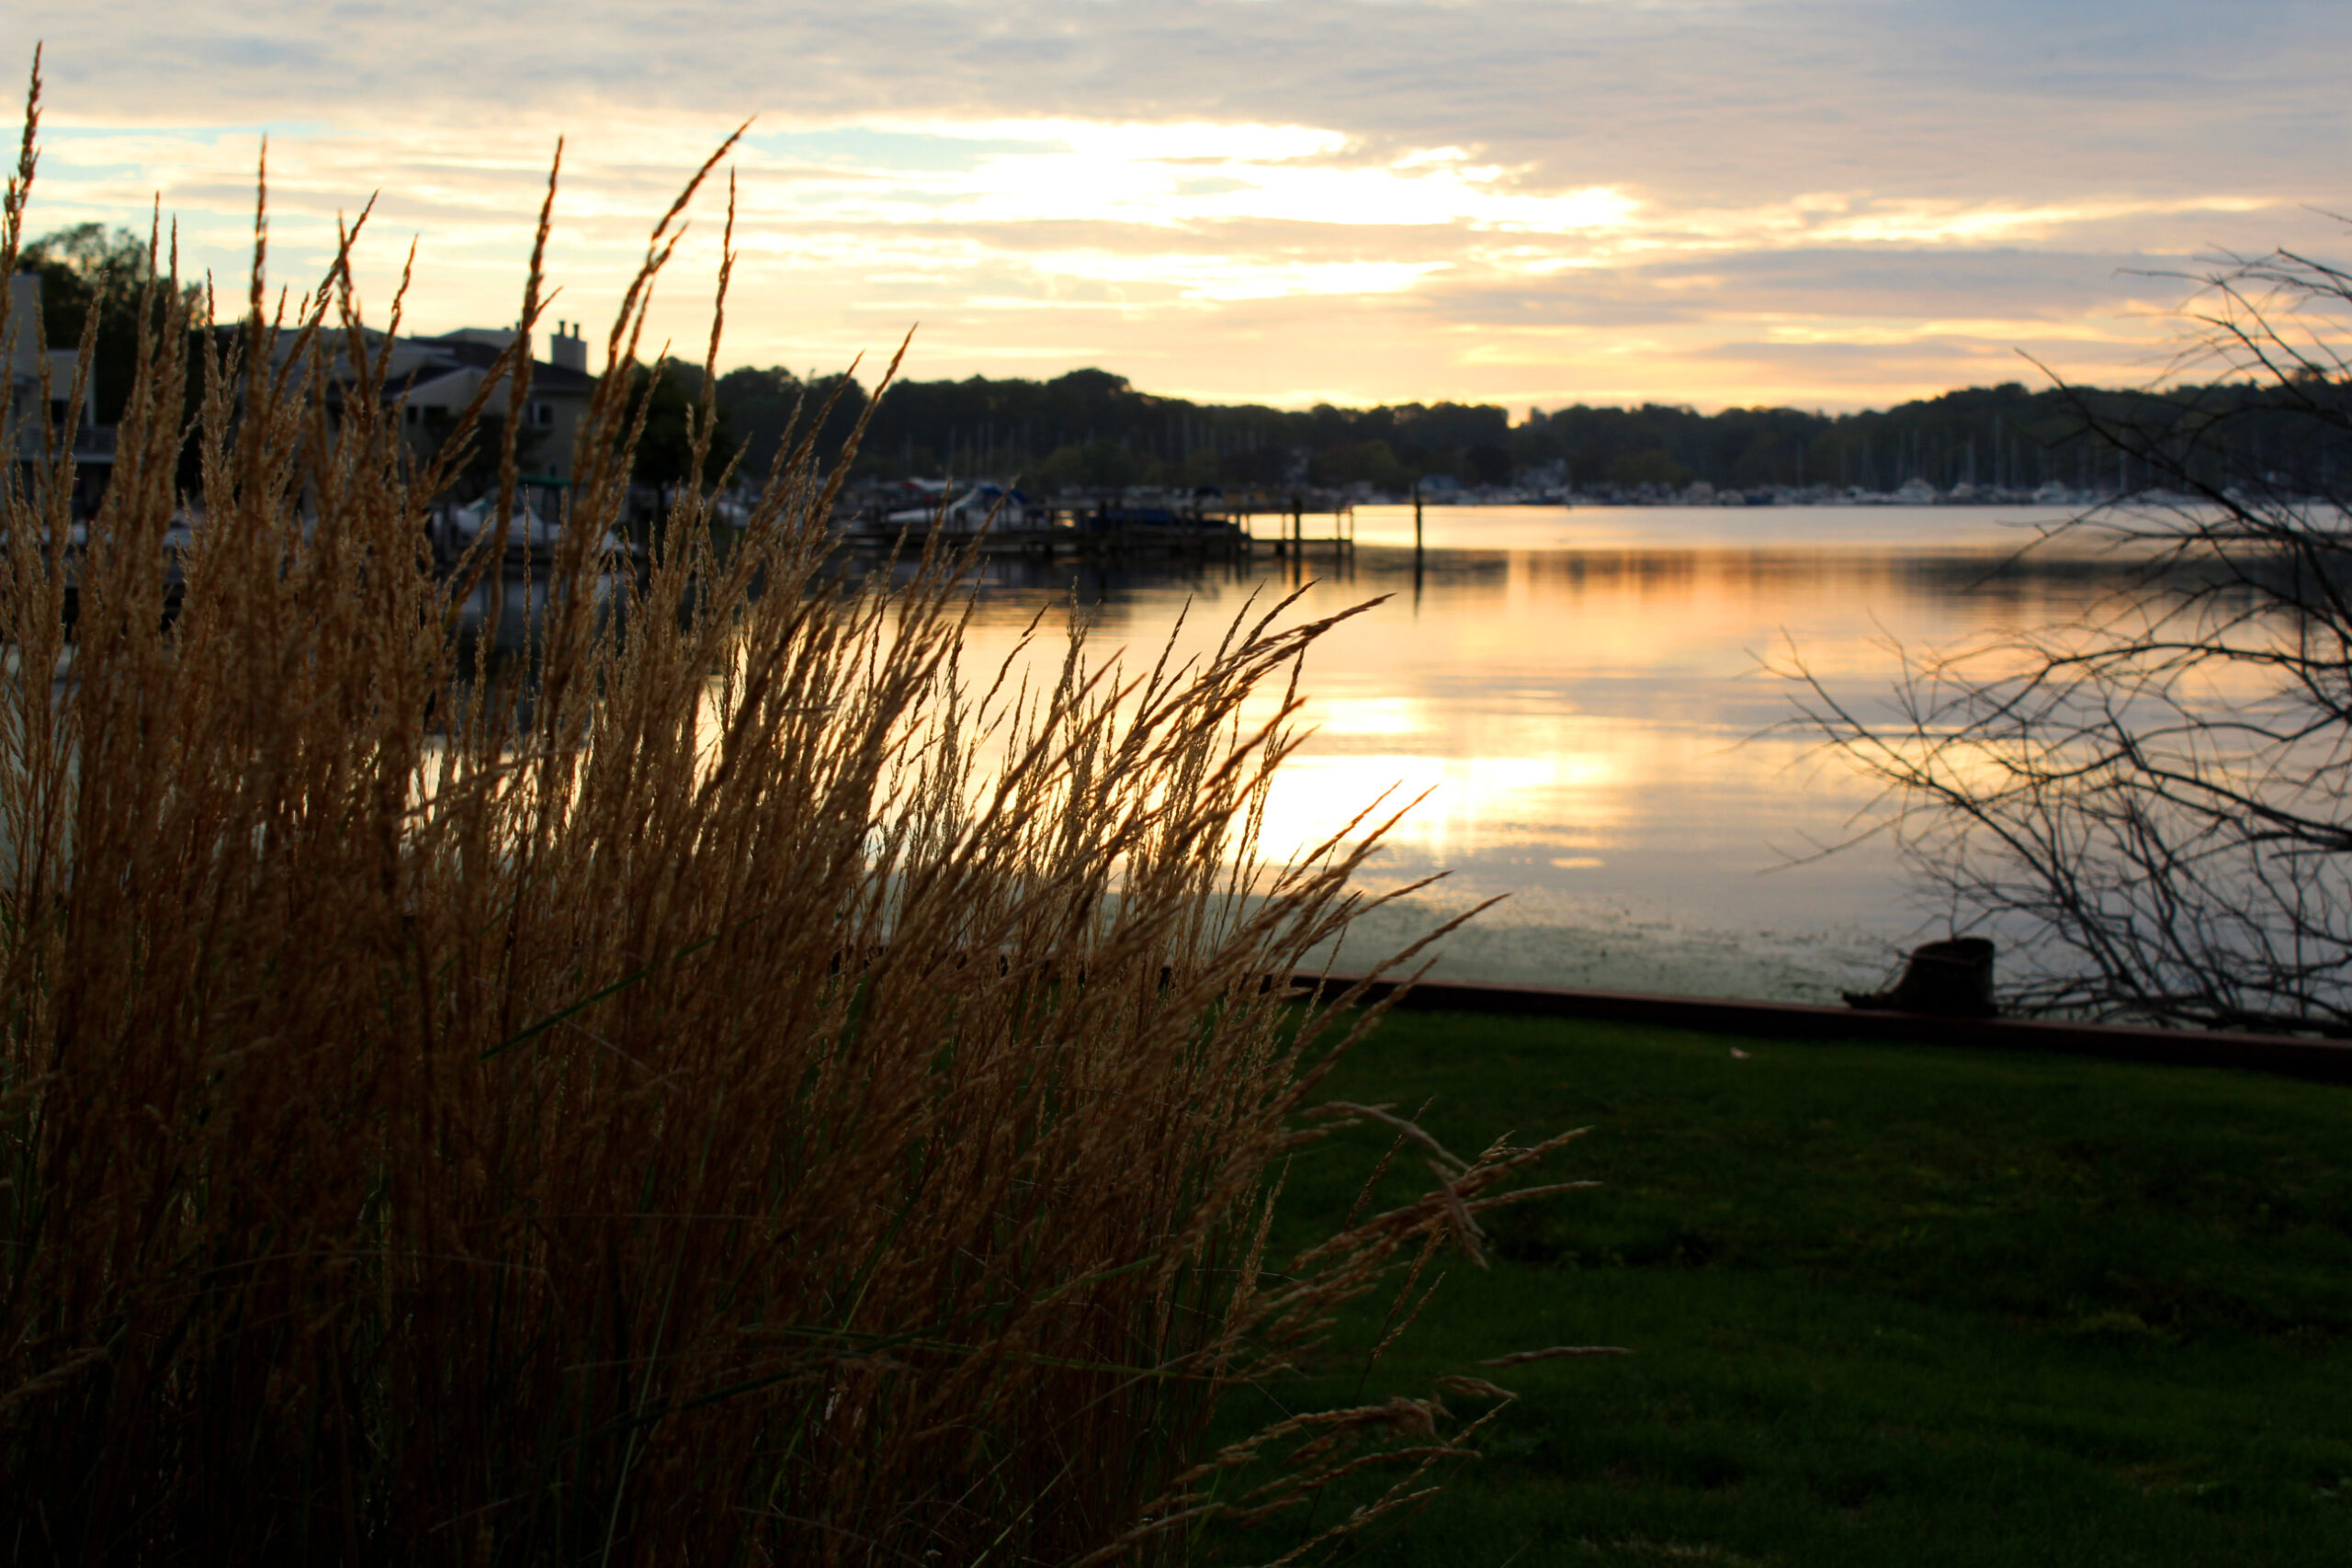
(722, 1087)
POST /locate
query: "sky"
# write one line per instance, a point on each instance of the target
(1528, 202)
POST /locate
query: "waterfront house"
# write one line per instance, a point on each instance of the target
(431, 379)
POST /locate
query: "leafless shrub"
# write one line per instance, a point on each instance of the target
(2150, 804)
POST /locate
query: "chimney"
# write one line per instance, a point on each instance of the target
(568, 350)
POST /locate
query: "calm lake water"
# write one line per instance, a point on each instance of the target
(1584, 696)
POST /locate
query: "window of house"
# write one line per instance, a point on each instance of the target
(543, 415)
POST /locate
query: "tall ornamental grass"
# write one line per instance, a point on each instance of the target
(730, 1087)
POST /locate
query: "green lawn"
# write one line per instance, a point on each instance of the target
(1890, 1305)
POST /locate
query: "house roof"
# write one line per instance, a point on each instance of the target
(420, 362)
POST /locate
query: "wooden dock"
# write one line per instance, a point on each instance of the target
(1290, 517)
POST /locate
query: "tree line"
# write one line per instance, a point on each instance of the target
(1091, 429)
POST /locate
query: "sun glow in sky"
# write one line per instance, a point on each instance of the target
(1522, 201)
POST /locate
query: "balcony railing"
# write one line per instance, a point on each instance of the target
(91, 442)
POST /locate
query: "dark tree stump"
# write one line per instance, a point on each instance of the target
(1947, 980)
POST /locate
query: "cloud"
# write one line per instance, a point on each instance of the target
(1709, 199)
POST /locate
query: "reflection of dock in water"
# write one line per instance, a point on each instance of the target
(516, 590)
(1289, 525)
(521, 602)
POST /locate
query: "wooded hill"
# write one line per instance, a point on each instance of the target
(1093, 428)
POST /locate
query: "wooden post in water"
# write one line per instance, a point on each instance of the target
(1416, 548)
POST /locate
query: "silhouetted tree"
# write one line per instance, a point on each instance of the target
(764, 408)
(1366, 462)
(665, 453)
(91, 271)
(1260, 466)
(2153, 803)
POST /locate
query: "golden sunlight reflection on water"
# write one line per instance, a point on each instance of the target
(1593, 726)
